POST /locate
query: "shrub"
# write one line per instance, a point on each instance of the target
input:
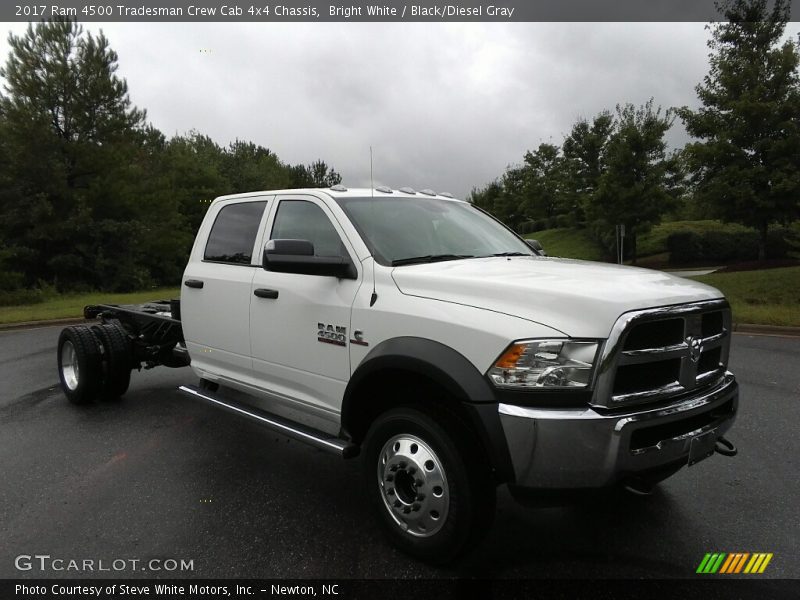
(527, 227)
(726, 246)
(782, 241)
(684, 247)
(563, 221)
(14, 297)
(715, 245)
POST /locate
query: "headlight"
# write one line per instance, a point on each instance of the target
(545, 364)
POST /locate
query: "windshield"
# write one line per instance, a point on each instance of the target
(412, 230)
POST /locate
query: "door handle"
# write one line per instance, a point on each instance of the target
(263, 293)
(194, 283)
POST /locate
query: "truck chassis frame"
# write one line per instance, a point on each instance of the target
(154, 328)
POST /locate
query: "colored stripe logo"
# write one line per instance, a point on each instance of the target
(734, 562)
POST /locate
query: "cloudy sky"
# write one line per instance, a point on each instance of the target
(444, 106)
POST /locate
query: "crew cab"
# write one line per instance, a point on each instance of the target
(417, 332)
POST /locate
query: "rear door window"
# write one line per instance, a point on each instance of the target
(234, 232)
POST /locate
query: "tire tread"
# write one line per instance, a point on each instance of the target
(117, 359)
(90, 368)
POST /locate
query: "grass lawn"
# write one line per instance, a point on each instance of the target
(568, 243)
(767, 297)
(71, 305)
(764, 297)
(578, 243)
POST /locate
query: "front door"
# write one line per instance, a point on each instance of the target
(300, 324)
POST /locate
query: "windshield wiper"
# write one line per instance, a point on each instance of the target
(511, 254)
(428, 258)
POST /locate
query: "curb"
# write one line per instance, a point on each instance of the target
(766, 329)
(38, 324)
(737, 327)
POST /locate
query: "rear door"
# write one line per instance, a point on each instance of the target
(215, 295)
(300, 324)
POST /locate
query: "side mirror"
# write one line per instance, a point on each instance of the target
(290, 247)
(297, 256)
(536, 247)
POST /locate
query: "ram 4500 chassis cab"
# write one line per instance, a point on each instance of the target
(418, 332)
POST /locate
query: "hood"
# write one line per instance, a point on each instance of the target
(579, 298)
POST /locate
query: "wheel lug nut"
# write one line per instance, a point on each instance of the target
(419, 483)
(390, 491)
(419, 496)
(393, 468)
(416, 506)
(390, 478)
(397, 503)
(406, 510)
(403, 464)
(412, 470)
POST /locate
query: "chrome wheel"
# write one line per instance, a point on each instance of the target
(69, 366)
(413, 485)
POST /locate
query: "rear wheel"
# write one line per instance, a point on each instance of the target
(80, 367)
(432, 490)
(117, 359)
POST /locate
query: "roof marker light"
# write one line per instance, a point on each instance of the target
(407, 190)
(338, 188)
(427, 192)
(446, 194)
(383, 189)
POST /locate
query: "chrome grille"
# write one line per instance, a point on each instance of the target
(656, 354)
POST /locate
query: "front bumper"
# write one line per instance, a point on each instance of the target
(582, 448)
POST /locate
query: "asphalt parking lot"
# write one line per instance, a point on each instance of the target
(158, 475)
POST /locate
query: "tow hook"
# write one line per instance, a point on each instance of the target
(725, 447)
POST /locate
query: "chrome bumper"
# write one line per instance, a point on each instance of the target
(564, 449)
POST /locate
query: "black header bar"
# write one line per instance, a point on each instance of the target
(700, 588)
(256, 11)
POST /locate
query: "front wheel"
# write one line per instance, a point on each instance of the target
(432, 490)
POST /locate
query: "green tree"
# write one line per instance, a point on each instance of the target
(545, 183)
(504, 198)
(166, 208)
(64, 94)
(10, 277)
(584, 160)
(90, 195)
(635, 188)
(249, 167)
(486, 197)
(193, 171)
(322, 175)
(71, 135)
(317, 174)
(746, 165)
(509, 206)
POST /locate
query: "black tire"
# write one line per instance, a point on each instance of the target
(80, 367)
(434, 501)
(117, 359)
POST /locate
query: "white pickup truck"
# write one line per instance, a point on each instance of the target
(417, 331)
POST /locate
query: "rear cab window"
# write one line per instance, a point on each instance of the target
(233, 235)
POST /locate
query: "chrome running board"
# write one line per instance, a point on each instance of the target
(288, 428)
